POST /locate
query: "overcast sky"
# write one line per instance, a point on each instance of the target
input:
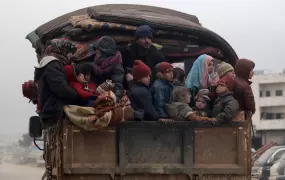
(254, 28)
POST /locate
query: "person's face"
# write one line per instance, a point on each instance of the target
(201, 103)
(211, 67)
(144, 42)
(145, 80)
(168, 75)
(221, 88)
(231, 74)
(98, 53)
(187, 98)
(69, 55)
(251, 73)
(87, 77)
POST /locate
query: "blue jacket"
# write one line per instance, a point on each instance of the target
(161, 93)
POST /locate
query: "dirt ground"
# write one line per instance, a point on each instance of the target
(17, 172)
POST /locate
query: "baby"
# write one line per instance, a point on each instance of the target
(179, 108)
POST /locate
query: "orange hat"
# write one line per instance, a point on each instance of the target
(140, 70)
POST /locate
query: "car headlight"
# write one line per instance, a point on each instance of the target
(259, 172)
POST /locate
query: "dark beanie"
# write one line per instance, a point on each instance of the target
(106, 44)
(140, 70)
(144, 31)
(84, 68)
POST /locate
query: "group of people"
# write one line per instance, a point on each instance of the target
(157, 91)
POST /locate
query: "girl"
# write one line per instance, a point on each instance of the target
(202, 75)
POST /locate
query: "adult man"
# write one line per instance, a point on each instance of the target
(142, 49)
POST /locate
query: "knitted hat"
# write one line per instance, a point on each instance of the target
(144, 31)
(140, 70)
(106, 44)
(229, 82)
(164, 66)
(108, 85)
(224, 68)
(203, 93)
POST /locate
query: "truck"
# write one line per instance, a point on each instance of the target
(148, 150)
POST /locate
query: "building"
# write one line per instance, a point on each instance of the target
(269, 119)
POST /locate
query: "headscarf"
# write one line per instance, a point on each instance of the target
(199, 77)
(104, 65)
(60, 49)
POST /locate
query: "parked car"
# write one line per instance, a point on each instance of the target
(277, 171)
(261, 167)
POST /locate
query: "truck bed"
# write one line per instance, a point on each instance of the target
(152, 150)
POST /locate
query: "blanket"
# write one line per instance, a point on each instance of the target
(106, 112)
(88, 24)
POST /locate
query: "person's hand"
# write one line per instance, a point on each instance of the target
(213, 120)
(129, 77)
(80, 78)
(166, 121)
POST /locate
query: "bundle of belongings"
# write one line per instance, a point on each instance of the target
(105, 112)
(83, 30)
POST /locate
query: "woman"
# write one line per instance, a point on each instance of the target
(108, 64)
(54, 91)
(202, 75)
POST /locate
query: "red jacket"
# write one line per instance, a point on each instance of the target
(78, 86)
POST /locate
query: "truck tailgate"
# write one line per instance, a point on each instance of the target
(151, 150)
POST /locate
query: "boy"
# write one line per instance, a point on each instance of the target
(139, 93)
(225, 69)
(243, 92)
(226, 107)
(179, 109)
(162, 88)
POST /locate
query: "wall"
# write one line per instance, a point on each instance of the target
(271, 104)
(273, 136)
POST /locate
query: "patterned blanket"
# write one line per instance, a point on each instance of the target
(88, 24)
(106, 112)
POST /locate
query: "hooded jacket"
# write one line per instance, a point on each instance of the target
(54, 90)
(243, 92)
(225, 108)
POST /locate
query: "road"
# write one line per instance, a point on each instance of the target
(18, 172)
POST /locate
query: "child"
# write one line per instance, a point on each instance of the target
(226, 107)
(202, 102)
(243, 92)
(139, 93)
(225, 69)
(79, 79)
(178, 77)
(178, 108)
(162, 88)
(202, 75)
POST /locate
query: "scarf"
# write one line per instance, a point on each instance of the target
(199, 77)
(60, 48)
(104, 65)
(63, 59)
